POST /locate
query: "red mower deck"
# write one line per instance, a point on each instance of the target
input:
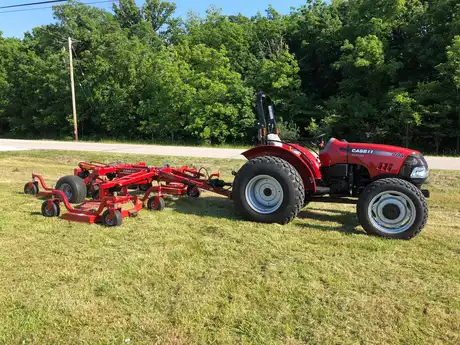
(109, 187)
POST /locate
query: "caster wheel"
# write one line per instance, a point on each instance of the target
(156, 206)
(30, 188)
(112, 218)
(193, 192)
(51, 209)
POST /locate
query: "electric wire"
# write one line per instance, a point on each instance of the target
(48, 7)
(32, 3)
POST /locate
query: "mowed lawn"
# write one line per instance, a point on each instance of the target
(198, 274)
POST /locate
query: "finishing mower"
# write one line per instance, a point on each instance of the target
(279, 179)
(108, 187)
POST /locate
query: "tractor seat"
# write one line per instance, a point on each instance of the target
(274, 139)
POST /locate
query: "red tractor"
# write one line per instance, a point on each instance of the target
(281, 178)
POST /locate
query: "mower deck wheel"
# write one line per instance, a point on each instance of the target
(30, 188)
(145, 187)
(193, 192)
(51, 209)
(112, 218)
(73, 187)
(156, 206)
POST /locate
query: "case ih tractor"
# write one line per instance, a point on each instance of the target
(281, 178)
(278, 180)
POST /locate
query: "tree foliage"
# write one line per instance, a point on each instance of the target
(377, 70)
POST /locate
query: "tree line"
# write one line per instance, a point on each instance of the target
(386, 71)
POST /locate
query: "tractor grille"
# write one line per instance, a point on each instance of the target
(384, 166)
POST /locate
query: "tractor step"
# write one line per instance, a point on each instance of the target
(322, 190)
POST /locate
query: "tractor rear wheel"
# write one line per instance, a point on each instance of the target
(268, 190)
(392, 208)
(73, 187)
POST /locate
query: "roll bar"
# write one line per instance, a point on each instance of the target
(263, 127)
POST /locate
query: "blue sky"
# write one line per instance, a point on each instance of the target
(16, 23)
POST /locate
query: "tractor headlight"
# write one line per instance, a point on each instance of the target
(419, 172)
(415, 168)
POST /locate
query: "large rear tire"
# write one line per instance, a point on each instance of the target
(268, 190)
(392, 208)
(73, 187)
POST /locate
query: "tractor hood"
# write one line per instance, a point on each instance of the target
(381, 150)
(377, 158)
(334, 148)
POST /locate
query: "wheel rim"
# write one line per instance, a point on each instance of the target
(392, 212)
(49, 210)
(264, 194)
(109, 219)
(67, 190)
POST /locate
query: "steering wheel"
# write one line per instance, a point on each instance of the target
(319, 140)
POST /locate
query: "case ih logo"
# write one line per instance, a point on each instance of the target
(128, 171)
(362, 151)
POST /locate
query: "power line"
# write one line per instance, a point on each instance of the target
(33, 3)
(48, 7)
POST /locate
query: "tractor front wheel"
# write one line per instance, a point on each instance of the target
(268, 190)
(392, 208)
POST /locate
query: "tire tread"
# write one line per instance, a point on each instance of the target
(294, 177)
(407, 235)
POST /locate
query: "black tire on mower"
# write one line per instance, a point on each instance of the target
(145, 187)
(398, 187)
(31, 188)
(75, 185)
(288, 178)
(156, 206)
(110, 218)
(193, 192)
(53, 211)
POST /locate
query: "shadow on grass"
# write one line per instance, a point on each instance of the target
(347, 220)
(208, 207)
(223, 208)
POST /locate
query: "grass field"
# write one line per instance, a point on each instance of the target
(196, 273)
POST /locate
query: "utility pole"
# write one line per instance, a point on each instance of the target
(72, 87)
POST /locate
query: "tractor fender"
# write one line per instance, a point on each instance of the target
(299, 160)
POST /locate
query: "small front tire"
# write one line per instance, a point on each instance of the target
(51, 209)
(193, 192)
(31, 188)
(154, 205)
(112, 218)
